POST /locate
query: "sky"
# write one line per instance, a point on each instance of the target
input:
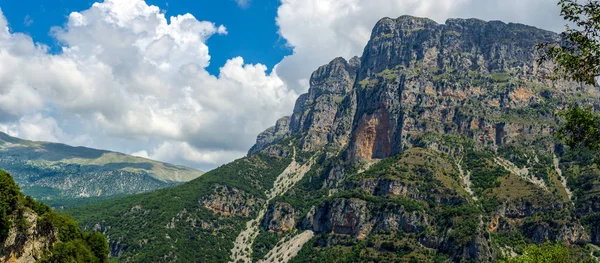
(189, 82)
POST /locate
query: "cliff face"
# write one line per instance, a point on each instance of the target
(435, 145)
(31, 232)
(29, 244)
(467, 93)
(467, 77)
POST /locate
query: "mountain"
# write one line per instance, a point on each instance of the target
(436, 145)
(64, 176)
(31, 232)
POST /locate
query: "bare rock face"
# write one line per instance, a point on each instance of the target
(466, 77)
(340, 216)
(572, 233)
(388, 187)
(404, 87)
(272, 135)
(316, 111)
(231, 201)
(479, 249)
(279, 218)
(353, 217)
(27, 245)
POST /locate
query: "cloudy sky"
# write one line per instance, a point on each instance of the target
(188, 82)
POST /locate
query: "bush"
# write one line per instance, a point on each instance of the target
(546, 253)
(9, 196)
(73, 246)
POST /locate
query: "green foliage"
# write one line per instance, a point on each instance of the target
(484, 172)
(73, 245)
(546, 253)
(67, 227)
(264, 242)
(578, 54)
(199, 235)
(71, 252)
(581, 128)
(9, 196)
(98, 245)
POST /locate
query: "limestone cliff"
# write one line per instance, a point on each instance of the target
(461, 114)
(435, 145)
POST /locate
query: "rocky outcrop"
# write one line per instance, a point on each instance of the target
(315, 112)
(479, 249)
(27, 245)
(231, 201)
(272, 135)
(354, 217)
(557, 232)
(340, 216)
(280, 217)
(385, 187)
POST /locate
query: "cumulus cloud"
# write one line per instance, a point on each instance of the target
(125, 71)
(319, 30)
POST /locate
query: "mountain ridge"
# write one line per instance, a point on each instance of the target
(435, 145)
(51, 171)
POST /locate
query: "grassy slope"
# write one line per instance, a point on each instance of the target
(432, 172)
(66, 176)
(50, 153)
(138, 223)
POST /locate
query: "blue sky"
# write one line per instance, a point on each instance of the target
(133, 81)
(252, 32)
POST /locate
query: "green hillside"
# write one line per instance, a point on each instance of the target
(30, 231)
(65, 176)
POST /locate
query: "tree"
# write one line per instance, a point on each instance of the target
(577, 58)
(577, 55)
(546, 253)
(9, 196)
(581, 129)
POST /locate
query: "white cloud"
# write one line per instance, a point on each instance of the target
(243, 3)
(28, 20)
(128, 78)
(183, 152)
(142, 153)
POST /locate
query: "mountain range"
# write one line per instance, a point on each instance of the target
(435, 145)
(65, 176)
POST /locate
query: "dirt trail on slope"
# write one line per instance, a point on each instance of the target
(242, 246)
(285, 251)
(466, 179)
(522, 172)
(563, 180)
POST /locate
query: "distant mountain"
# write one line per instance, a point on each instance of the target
(435, 145)
(64, 176)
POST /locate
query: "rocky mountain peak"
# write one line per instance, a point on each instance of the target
(331, 78)
(416, 77)
(468, 44)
